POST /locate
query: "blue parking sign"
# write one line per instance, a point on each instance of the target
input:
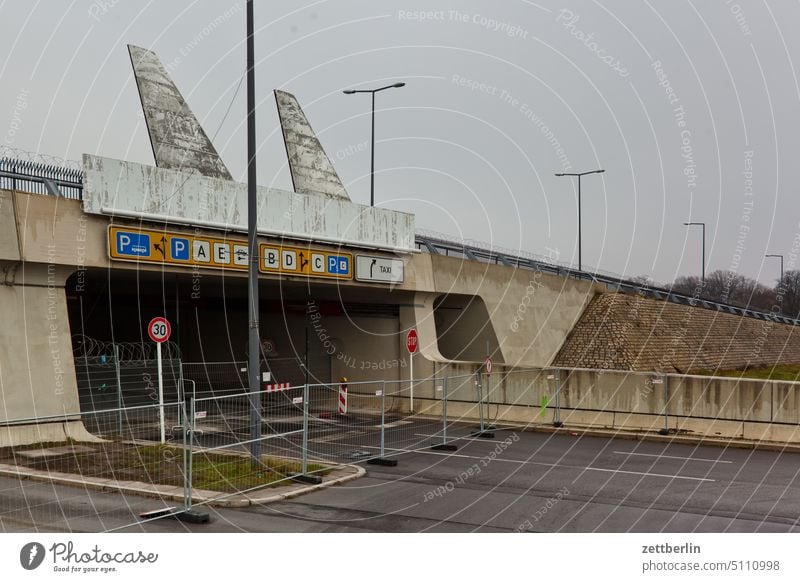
(338, 265)
(179, 248)
(133, 244)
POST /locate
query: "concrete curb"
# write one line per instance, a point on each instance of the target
(172, 493)
(653, 437)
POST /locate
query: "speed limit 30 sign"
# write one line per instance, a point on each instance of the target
(159, 329)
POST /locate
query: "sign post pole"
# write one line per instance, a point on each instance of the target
(411, 346)
(160, 394)
(159, 331)
(411, 383)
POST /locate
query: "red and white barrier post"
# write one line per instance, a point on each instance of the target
(343, 395)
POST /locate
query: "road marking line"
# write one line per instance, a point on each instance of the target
(452, 438)
(518, 462)
(672, 457)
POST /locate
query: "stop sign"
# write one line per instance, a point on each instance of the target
(411, 340)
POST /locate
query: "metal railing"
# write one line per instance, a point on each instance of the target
(487, 254)
(37, 177)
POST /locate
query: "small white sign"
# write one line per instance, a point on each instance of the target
(378, 392)
(201, 414)
(379, 269)
(550, 377)
(658, 381)
(265, 376)
(297, 400)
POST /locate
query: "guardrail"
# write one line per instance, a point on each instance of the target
(438, 246)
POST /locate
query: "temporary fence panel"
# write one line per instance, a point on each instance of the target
(230, 455)
(106, 382)
(351, 435)
(53, 487)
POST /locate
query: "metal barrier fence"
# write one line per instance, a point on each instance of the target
(346, 423)
(109, 382)
(242, 442)
(223, 378)
(55, 485)
(667, 403)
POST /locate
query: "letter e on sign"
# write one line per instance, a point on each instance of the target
(159, 329)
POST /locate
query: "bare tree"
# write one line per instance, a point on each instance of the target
(788, 294)
(728, 287)
(688, 286)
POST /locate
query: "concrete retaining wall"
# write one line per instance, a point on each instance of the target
(695, 405)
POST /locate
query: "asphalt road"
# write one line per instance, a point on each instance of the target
(519, 481)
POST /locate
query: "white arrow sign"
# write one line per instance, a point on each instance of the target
(379, 269)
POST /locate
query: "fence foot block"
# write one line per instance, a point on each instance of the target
(310, 479)
(188, 516)
(444, 448)
(558, 424)
(483, 434)
(663, 431)
(383, 462)
(192, 516)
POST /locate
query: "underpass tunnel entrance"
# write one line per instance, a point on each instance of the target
(464, 329)
(337, 330)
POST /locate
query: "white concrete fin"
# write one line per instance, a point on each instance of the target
(130, 190)
(179, 141)
(309, 165)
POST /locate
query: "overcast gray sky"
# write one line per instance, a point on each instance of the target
(692, 108)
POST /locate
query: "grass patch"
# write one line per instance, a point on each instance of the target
(161, 464)
(790, 373)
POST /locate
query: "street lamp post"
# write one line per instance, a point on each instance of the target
(254, 343)
(580, 257)
(372, 155)
(781, 258)
(703, 224)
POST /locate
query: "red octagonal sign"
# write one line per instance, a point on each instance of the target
(411, 340)
(159, 329)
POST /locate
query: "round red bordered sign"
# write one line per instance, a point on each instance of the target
(488, 364)
(411, 341)
(159, 329)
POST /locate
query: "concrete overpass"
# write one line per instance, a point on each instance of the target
(101, 249)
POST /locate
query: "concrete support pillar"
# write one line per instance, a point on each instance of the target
(37, 371)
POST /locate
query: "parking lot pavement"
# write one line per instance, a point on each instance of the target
(539, 482)
(518, 481)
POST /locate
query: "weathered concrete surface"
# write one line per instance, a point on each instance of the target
(310, 167)
(530, 312)
(114, 187)
(37, 372)
(699, 406)
(629, 332)
(179, 141)
(9, 244)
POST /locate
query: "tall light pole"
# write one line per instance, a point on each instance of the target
(580, 257)
(254, 343)
(781, 258)
(703, 224)
(372, 162)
